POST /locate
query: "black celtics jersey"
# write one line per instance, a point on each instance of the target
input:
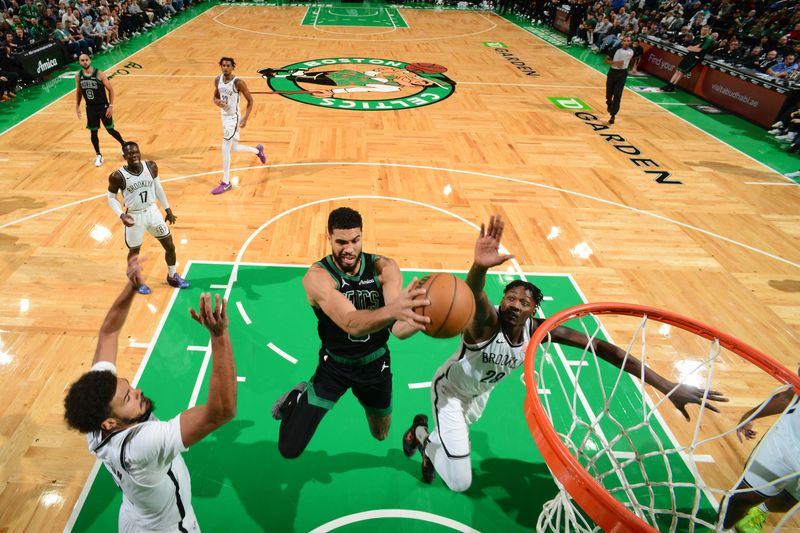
(364, 292)
(93, 89)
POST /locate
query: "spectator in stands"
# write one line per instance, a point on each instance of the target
(684, 37)
(28, 11)
(769, 61)
(638, 52)
(600, 31)
(672, 23)
(87, 30)
(729, 54)
(76, 36)
(101, 34)
(753, 59)
(62, 36)
(36, 32)
(783, 47)
(744, 26)
(71, 16)
(780, 70)
(51, 16)
(21, 38)
(13, 71)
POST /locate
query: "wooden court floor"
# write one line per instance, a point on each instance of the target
(721, 246)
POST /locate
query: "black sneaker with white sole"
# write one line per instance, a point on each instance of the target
(279, 408)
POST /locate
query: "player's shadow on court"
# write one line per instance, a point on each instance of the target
(252, 283)
(518, 487)
(9, 204)
(267, 485)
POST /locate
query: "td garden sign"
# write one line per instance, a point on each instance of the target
(360, 83)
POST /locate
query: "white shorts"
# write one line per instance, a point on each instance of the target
(129, 524)
(149, 220)
(230, 127)
(453, 414)
(776, 456)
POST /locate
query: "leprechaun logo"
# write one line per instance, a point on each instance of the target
(361, 84)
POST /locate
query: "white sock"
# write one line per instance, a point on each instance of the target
(242, 148)
(421, 434)
(763, 507)
(171, 270)
(226, 160)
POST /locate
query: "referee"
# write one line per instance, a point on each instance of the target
(618, 58)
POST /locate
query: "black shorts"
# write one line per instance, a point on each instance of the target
(688, 63)
(96, 114)
(371, 384)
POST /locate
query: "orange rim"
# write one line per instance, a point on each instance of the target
(608, 512)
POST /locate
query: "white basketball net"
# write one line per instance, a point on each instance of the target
(619, 434)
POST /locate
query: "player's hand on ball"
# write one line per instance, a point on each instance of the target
(127, 219)
(409, 298)
(170, 217)
(216, 320)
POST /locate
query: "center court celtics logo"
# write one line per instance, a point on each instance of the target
(361, 84)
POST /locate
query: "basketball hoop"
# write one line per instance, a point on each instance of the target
(572, 446)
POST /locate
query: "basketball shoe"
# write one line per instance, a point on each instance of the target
(753, 521)
(98, 160)
(282, 404)
(177, 282)
(261, 155)
(410, 442)
(221, 188)
(144, 289)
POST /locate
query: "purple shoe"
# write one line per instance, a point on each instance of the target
(221, 188)
(261, 155)
(177, 281)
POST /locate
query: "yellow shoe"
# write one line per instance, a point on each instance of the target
(752, 522)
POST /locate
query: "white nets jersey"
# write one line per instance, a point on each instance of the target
(145, 462)
(229, 96)
(476, 368)
(139, 191)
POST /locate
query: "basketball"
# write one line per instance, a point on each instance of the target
(452, 305)
(426, 68)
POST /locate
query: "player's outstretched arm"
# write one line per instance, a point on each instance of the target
(487, 255)
(679, 394)
(220, 406)
(321, 291)
(108, 337)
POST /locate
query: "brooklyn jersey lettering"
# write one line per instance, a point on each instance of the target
(477, 368)
(364, 292)
(139, 191)
(229, 96)
(93, 90)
